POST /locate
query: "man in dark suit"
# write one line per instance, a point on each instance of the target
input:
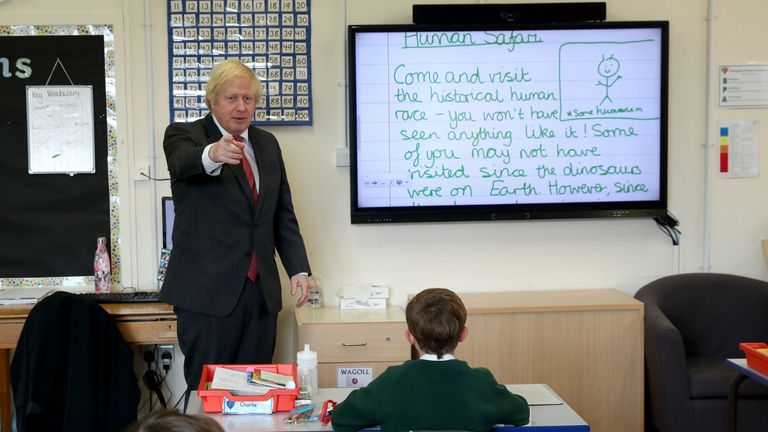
(222, 277)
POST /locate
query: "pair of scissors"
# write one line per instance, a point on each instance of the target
(327, 411)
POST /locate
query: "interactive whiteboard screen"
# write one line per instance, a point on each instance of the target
(472, 123)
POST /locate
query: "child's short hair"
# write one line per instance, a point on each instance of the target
(436, 317)
(174, 421)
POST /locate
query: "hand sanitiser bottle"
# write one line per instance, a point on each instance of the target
(315, 299)
(101, 274)
(307, 369)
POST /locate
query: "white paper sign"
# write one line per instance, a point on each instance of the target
(60, 129)
(353, 376)
(738, 149)
(743, 85)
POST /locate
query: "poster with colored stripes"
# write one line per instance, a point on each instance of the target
(737, 156)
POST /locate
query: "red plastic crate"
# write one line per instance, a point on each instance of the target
(283, 399)
(756, 359)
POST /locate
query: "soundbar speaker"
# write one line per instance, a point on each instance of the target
(500, 13)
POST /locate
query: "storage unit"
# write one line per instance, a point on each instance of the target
(353, 338)
(585, 344)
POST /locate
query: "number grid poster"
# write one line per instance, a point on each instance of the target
(271, 36)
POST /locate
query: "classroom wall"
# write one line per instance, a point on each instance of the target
(464, 256)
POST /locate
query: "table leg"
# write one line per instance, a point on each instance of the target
(5, 390)
(733, 402)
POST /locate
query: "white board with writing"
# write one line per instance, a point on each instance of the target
(508, 117)
(60, 129)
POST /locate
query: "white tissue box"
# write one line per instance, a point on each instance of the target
(367, 303)
(379, 291)
(363, 297)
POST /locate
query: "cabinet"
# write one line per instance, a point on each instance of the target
(353, 338)
(585, 344)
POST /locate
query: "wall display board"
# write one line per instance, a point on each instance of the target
(49, 221)
(270, 36)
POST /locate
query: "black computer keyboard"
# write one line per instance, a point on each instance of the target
(122, 296)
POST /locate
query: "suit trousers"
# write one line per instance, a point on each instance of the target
(245, 336)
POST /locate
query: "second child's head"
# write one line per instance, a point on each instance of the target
(174, 421)
(436, 318)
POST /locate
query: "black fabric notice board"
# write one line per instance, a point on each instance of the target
(49, 223)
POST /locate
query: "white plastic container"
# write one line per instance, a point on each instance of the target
(306, 362)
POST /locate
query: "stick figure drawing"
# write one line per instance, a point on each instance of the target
(608, 68)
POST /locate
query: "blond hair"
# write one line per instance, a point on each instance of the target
(223, 72)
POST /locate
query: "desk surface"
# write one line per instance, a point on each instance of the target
(334, 315)
(117, 310)
(552, 418)
(548, 301)
(140, 323)
(740, 365)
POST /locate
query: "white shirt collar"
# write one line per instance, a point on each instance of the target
(433, 357)
(224, 132)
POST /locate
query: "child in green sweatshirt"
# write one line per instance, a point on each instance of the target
(437, 391)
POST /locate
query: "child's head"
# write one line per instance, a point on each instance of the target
(174, 421)
(436, 318)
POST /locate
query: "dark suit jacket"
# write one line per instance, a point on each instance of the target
(216, 227)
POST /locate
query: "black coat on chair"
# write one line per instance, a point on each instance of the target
(72, 369)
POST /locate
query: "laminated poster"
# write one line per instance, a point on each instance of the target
(60, 129)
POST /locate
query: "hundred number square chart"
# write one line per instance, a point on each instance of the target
(270, 36)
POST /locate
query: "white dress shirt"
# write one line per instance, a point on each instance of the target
(214, 168)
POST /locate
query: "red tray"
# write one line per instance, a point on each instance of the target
(757, 356)
(283, 399)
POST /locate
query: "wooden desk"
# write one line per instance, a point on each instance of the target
(585, 344)
(140, 323)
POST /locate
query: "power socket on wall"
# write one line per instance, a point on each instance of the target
(162, 355)
(342, 157)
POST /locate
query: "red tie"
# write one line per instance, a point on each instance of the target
(253, 268)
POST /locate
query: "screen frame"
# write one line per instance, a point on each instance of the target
(615, 209)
